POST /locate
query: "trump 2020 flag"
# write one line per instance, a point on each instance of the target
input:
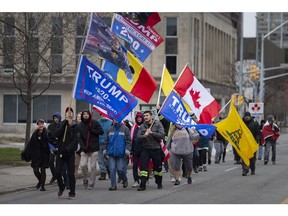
(174, 111)
(196, 96)
(234, 130)
(143, 85)
(143, 40)
(101, 40)
(95, 87)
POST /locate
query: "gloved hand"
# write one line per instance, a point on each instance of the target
(127, 153)
(105, 154)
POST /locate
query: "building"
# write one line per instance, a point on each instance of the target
(207, 42)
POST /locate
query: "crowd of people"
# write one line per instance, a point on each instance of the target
(66, 146)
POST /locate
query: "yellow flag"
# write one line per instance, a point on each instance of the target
(168, 83)
(167, 86)
(237, 133)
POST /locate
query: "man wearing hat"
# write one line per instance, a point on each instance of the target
(254, 127)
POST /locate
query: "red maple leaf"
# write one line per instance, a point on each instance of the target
(195, 95)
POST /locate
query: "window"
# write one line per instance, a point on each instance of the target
(81, 105)
(15, 110)
(57, 44)
(81, 33)
(44, 107)
(9, 44)
(171, 44)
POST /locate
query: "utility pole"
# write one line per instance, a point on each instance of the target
(241, 65)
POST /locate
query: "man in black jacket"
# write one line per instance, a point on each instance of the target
(89, 131)
(254, 127)
(67, 145)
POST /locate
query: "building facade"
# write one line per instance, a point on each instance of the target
(207, 42)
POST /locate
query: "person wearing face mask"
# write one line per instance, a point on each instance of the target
(270, 134)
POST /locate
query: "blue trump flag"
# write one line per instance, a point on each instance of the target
(95, 87)
(174, 111)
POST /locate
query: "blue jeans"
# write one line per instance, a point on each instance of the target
(117, 165)
(260, 151)
(103, 164)
(269, 144)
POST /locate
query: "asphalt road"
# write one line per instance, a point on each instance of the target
(221, 184)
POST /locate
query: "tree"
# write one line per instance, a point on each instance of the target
(37, 50)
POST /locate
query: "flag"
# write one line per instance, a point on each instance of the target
(165, 150)
(144, 18)
(269, 131)
(234, 130)
(167, 85)
(143, 85)
(95, 87)
(174, 111)
(100, 40)
(197, 97)
(143, 40)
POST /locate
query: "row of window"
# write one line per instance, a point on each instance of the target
(9, 49)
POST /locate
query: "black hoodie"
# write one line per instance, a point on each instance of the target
(89, 131)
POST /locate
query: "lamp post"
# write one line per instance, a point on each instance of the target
(261, 93)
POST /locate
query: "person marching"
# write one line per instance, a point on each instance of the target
(89, 131)
(67, 145)
(150, 134)
(38, 150)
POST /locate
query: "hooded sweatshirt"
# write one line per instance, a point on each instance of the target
(136, 144)
(53, 127)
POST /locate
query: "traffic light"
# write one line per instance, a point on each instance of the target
(256, 74)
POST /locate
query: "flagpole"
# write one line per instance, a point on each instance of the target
(222, 108)
(161, 82)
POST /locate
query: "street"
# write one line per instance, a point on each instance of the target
(221, 184)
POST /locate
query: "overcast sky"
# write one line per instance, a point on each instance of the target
(249, 24)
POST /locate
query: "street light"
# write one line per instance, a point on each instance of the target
(261, 93)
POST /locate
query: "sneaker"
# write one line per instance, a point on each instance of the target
(209, 161)
(274, 162)
(259, 158)
(252, 172)
(147, 182)
(159, 186)
(119, 180)
(60, 193)
(136, 184)
(223, 161)
(141, 189)
(85, 183)
(125, 183)
(244, 173)
(189, 180)
(173, 179)
(265, 162)
(38, 185)
(196, 170)
(71, 196)
(90, 187)
(102, 177)
(42, 189)
(113, 187)
(200, 169)
(205, 168)
(177, 182)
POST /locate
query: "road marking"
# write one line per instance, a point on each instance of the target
(231, 169)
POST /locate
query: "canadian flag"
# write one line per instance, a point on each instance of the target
(200, 101)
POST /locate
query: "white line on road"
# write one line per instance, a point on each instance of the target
(231, 169)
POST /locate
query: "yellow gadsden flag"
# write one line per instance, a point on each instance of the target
(234, 130)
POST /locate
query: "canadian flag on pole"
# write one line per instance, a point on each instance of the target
(200, 101)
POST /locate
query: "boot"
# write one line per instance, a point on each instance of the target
(102, 176)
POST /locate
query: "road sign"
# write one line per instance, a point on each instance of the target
(256, 108)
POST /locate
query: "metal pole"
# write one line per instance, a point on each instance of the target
(241, 65)
(261, 91)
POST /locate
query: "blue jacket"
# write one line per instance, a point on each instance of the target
(105, 124)
(118, 139)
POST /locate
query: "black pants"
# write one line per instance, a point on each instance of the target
(202, 157)
(252, 164)
(156, 156)
(136, 160)
(69, 159)
(52, 164)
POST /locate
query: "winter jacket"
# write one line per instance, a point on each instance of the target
(38, 150)
(105, 124)
(180, 141)
(69, 146)
(254, 127)
(52, 128)
(153, 140)
(203, 143)
(136, 144)
(89, 131)
(118, 139)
